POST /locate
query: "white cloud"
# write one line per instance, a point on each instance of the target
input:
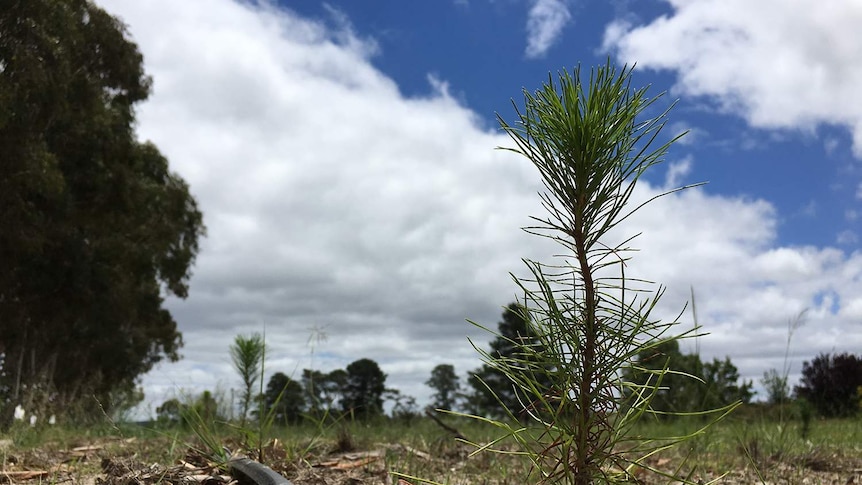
(545, 23)
(779, 63)
(689, 135)
(847, 237)
(676, 172)
(334, 201)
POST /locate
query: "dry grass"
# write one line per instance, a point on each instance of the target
(746, 451)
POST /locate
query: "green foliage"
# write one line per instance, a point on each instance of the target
(170, 412)
(715, 384)
(590, 323)
(206, 407)
(247, 354)
(404, 407)
(492, 392)
(364, 388)
(123, 400)
(446, 387)
(94, 227)
(776, 387)
(723, 386)
(323, 391)
(284, 399)
(830, 382)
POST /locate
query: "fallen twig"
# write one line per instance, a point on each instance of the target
(457, 434)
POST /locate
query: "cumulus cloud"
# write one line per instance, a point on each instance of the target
(689, 135)
(676, 172)
(334, 203)
(778, 63)
(545, 22)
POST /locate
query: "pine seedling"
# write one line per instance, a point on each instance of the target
(247, 354)
(578, 409)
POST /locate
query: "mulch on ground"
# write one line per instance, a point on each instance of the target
(123, 462)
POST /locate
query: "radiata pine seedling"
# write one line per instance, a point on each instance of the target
(591, 149)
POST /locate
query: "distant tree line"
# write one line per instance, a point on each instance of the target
(490, 393)
(357, 391)
(832, 384)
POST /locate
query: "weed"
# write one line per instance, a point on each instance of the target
(767, 440)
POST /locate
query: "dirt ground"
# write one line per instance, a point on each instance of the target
(124, 462)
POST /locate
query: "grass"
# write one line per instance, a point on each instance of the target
(765, 447)
(745, 445)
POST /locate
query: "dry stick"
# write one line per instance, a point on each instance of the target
(445, 426)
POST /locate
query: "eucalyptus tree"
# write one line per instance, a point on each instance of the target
(95, 229)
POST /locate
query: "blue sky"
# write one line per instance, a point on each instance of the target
(344, 157)
(480, 48)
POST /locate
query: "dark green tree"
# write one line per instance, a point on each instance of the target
(445, 383)
(677, 393)
(830, 383)
(94, 227)
(323, 391)
(312, 388)
(404, 407)
(775, 384)
(283, 399)
(363, 391)
(123, 401)
(716, 384)
(206, 408)
(491, 391)
(722, 385)
(170, 412)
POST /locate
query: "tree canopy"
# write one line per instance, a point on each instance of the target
(831, 383)
(492, 392)
(716, 383)
(94, 227)
(446, 387)
(363, 391)
(283, 399)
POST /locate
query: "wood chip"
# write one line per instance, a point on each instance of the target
(24, 475)
(420, 454)
(350, 462)
(356, 464)
(83, 450)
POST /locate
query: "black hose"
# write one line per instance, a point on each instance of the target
(253, 473)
